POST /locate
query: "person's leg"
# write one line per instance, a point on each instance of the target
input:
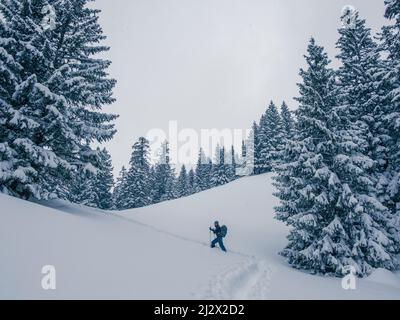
(214, 242)
(221, 244)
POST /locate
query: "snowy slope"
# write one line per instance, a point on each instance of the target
(161, 252)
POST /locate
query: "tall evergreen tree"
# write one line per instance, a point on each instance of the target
(191, 182)
(52, 93)
(164, 176)
(208, 173)
(363, 153)
(220, 171)
(94, 188)
(202, 174)
(257, 158)
(249, 161)
(270, 138)
(170, 191)
(104, 180)
(325, 186)
(153, 183)
(182, 183)
(287, 121)
(87, 195)
(306, 182)
(138, 177)
(232, 164)
(391, 45)
(120, 192)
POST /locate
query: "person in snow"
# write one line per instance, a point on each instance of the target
(219, 234)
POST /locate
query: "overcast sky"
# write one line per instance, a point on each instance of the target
(211, 63)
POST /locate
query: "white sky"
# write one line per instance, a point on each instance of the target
(211, 63)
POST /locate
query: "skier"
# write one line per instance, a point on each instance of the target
(220, 233)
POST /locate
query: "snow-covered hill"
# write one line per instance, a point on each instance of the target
(161, 252)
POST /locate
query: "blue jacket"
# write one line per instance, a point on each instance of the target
(217, 231)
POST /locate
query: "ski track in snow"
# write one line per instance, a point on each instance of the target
(176, 235)
(104, 240)
(246, 280)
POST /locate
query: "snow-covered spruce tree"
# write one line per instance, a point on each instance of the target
(170, 191)
(258, 160)
(104, 180)
(83, 191)
(191, 182)
(270, 139)
(138, 177)
(202, 173)
(325, 185)
(164, 176)
(248, 160)
(182, 183)
(51, 102)
(231, 163)
(153, 181)
(121, 189)
(9, 80)
(94, 188)
(259, 141)
(307, 187)
(287, 121)
(220, 170)
(362, 157)
(362, 89)
(208, 170)
(391, 44)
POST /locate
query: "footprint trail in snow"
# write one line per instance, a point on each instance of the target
(247, 280)
(176, 235)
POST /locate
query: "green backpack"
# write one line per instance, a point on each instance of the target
(224, 231)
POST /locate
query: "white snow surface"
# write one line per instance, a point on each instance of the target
(162, 252)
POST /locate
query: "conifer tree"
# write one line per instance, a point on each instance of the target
(363, 154)
(220, 171)
(138, 177)
(121, 189)
(86, 191)
(202, 174)
(164, 176)
(258, 160)
(182, 183)
(170, 190)
(153, 183)
(53, 88)
(270, 139)
(209, 167)
(306, 182)
(287, 121)
(391, 45)
(104, 181)
(327, 184)
(232, 164)
(191, 182)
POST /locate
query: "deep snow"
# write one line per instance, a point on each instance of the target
(161, 251)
